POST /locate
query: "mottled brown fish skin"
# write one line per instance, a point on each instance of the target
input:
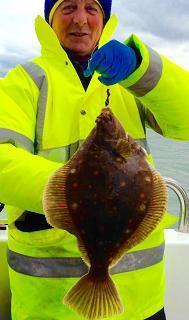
(111, 199)
(108, 192)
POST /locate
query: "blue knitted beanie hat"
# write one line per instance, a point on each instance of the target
(51, 5)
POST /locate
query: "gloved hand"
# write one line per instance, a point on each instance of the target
(114, 61)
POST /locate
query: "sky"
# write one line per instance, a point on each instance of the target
(161, 24)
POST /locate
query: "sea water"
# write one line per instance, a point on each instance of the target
(171, 159)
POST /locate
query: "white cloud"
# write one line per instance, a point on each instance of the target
(163, 25)
(18, 41)
(17, 22)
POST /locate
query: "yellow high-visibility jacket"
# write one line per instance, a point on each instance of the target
(44, 114)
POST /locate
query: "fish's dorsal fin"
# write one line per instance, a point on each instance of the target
(123, 148)
(54, 201)
(153, 216)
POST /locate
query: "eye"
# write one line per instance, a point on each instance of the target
(69, 8)
(92, 9)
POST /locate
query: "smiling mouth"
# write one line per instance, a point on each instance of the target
(78, 34)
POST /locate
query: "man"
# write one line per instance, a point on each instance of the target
(48, 107)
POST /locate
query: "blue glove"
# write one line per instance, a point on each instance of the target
(114, 61)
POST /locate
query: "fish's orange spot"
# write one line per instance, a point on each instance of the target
(74, 205)
(142, 195)
(95, 172)
(75, 185)
(62, 205)
(123, 184)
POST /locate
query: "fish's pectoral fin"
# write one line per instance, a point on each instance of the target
(94, 298)
(123, 148)
(152, 218)
(54, 201)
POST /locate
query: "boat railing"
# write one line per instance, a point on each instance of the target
(183, 197)
(3, 221)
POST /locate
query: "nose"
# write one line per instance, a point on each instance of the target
(80, 17)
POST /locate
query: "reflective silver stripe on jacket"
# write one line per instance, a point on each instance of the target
(18, 140)
(62, 154)
(75, 267)
(150, 78)
(35, 72)
(38, 76)
(147, 118)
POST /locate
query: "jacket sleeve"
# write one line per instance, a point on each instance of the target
(23, 175)
(162, 87)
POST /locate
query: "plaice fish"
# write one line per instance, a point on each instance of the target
(111, 199)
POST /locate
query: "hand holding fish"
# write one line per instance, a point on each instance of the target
(114, 61)
(111, 199)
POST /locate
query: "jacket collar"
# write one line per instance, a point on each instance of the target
(50, 44)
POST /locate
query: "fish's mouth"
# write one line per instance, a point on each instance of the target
(108, 125)
(105, 116)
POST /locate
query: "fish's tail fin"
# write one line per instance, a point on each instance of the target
(94, 299)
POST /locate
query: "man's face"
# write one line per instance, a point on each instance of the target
(78, 25)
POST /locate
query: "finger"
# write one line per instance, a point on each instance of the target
(106, 63)
(94, 62)
(113, 80)
(87, 72)
(114, 68)
(117, 74)
(107, 81)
